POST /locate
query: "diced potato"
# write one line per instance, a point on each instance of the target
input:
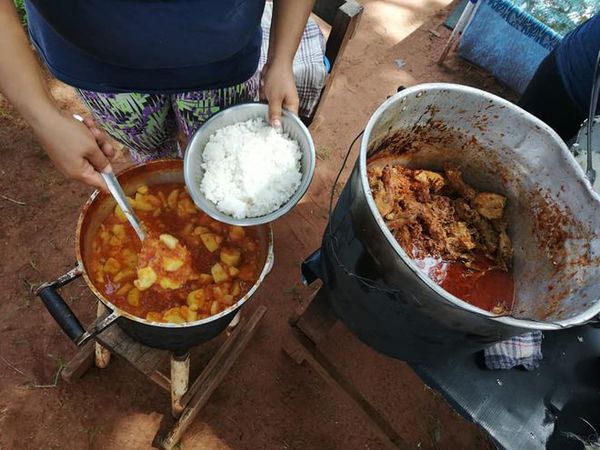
(120, 214)
(188, 228)
(231, 256)
(217, 292)
(154, 316)
(171, 264)
(124, 289)
(119, 231)
(168, 283)
(192, 315)
(124, 275)
(185, 207)
(112, 266)
(115, 241)
(172, 315)
(218, 273)
(233, 272)
(195, 299)
(133, 297)
(143, 189)
(183, 311)
(153, 200)
(236, 289)
(250, 245)
(210, 241)
(227, 300)
(129, 258)
(201, 230)
(105, 236)
(236, 233)
(141, 203)
(100, 275)
(214, 308)
(490, 206)
(146, 278)
(205, 278)
(163, 199)
(172, 198)
(169, 240)
(247, 273)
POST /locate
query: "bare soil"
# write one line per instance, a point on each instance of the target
(266, 401)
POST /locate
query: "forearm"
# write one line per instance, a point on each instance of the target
(287, 26)
(21, 80)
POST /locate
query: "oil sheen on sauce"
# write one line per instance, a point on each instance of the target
(488, 288)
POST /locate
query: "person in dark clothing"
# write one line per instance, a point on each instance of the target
(145, 69)
(559, 92)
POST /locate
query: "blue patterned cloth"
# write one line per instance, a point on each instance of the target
(507, 42)
(524, 350)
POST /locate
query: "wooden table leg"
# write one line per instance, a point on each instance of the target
(79, 364)
(101, 354)
(309, 327)
(212, 376)
(180, 376)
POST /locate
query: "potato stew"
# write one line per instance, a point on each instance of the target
(188, 268)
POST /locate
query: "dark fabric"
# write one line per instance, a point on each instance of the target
(547, 98)
(576, 57)
(148, 46)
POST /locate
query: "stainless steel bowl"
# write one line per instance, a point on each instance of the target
(193, 171)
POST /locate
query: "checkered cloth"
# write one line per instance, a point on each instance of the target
(524, 350)
(309, 67)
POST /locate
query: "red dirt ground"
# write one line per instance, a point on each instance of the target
(266, 401)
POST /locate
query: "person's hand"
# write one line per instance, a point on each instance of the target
(279, 89)
(79, 150)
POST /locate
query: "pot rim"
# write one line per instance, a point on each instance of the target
(268, 264)
(531, 324)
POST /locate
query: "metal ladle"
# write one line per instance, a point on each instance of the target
(590, 173)
(116, 190)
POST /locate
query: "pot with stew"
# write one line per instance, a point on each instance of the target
(465, 221)
(182, 285)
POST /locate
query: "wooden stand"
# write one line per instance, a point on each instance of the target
(186, 402)
(309, 326)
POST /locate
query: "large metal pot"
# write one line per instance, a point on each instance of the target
(176, 337)
(378, 291)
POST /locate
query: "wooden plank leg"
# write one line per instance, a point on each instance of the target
(79, 364)
(317, 318)
(180, 376)
(321, 365)
(101, 354)
(213, 378)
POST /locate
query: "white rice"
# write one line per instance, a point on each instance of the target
(251, 169)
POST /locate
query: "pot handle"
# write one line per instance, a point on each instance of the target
(64, 316)
(58, 308)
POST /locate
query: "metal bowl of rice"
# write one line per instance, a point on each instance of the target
(240, 171)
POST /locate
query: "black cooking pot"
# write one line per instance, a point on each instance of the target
(168, 336)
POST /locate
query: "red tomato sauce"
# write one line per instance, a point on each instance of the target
(490, 288)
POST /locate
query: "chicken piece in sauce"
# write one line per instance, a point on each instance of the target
(438, 215)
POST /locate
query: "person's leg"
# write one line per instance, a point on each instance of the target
(546, 98)
(192, 109)
(144, 123)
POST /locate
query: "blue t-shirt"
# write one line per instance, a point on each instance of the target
(148, 46)
(576, 58)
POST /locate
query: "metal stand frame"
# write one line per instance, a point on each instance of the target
(309, 326)
(186, 401)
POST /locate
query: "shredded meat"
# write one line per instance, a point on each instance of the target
(434, 214)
